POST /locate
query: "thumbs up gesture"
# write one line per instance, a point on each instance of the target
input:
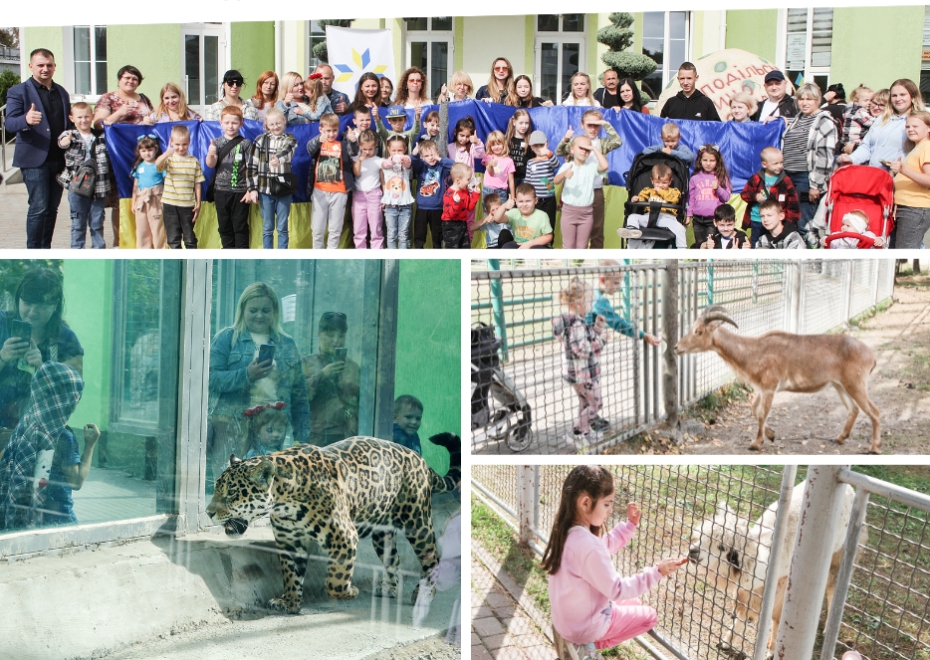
(33, 117)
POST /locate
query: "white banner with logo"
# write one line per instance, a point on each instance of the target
(353, 52)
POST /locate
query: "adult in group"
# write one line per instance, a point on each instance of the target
(266, 93)
(337, 99)
(609, 95)
(37, 111)
(523, 95)
(778, 103)
(460, 88)
(834, 102)
(411, 89)
(38, 301)
(690, 102)
(332, 384)
(884, 143)
(630, 98)
(742, 107)
(232, 90)
(387, 92)
(172, 106)
(809, 146)
(367, 93)
(238, 381)
(912, 185)
(581, 93)
(302, 102)
(124, 106)
(500, 84)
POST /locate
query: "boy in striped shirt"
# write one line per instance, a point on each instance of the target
(181, 198)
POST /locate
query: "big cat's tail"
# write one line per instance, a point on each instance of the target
(454, 446)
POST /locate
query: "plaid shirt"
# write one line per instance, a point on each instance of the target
(55, 392)
(821, 148)
(264, 147)
(857, 120)
(76, 155)
(581, 345)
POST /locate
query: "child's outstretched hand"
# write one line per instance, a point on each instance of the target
(509, 204)
(351, 135)
(600, 322)
(633, 514)
(405, 161)
(708, 244)
(669, 566)
(212, 150)
(91, 433)
(652, 340)
(569, 134)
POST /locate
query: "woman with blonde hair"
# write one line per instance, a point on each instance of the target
(885, 140)
(299, 107)
(460, 86)
(500, 84)
(742, 107)
(266, 93)
(172, 106)
(581, 94)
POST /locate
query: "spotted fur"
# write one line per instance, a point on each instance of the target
(335, 495)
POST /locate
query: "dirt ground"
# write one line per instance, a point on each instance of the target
(808, 423)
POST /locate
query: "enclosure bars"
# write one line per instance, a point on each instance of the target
(864, 486)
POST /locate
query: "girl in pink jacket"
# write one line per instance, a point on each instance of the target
(592, 606)
(468, 148)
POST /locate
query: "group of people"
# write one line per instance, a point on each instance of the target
(383, 172)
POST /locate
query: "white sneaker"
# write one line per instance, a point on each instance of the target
(629, 232)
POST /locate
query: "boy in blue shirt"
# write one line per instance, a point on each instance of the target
(432, 173)
(408, 413)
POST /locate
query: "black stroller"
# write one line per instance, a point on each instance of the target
(498, 409)
(639, 177)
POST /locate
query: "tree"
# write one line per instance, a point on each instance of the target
(7, 79)
(320, 51)
(9, 37)
(618, 37)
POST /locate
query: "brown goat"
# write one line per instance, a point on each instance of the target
(795, 363)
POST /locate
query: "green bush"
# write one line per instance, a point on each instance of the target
(618, 37)
(7, 80)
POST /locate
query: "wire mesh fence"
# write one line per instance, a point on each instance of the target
(709, 610)
(521, 303)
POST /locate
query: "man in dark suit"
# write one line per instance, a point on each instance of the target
(37, 111)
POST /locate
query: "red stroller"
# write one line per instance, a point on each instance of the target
(860, 188)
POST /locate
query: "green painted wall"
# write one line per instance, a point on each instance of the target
(158, 65)
(46, 37)
(458, 55)
(89, 315)
(594, 63)
(754, 31)
(252, 51)
(429, 337)
(529, 49)
(899, 30)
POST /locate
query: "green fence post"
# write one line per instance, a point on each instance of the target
(497, 305)
(710, 282)
(627, 297)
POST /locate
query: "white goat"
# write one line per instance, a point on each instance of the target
(796, 363)
(737, 556)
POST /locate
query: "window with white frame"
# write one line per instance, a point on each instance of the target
(316, 36)
(203, 58)
(808, 45)
(429, 46)
(560, 53)
(90, 59)
(666, 36)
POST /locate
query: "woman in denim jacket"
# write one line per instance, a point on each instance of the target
(239, 381)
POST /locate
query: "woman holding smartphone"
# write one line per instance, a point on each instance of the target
(253, 362)
(33, 333)
(332, 384)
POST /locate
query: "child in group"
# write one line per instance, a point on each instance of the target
(267, 429)
(517, 136)
(857, 119)
(529, 227)
(458, 205)
(229, 155)
(430, 130)
(592, 121)
(431, 172)
(299, 107)
(80, 145)
(593, 607)
(331, 179)
(727, 237)
(854, 222)
(272, 153)
(709, 187)
(661, 191)
(397, 202)
(671, 144)
(366, 201)
(397, 118)
(778, 234)
(581, 345)
(181, 196)
(579, 173)
(408, 414)
(147, 188)
(466, 149)
(498, 178)
(770, 182)
(540, 173)
(362, 122)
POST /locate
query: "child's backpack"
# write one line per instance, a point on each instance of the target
(84, 179)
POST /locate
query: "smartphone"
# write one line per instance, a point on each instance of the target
(265, 353)
(21, 329)
(341, 354)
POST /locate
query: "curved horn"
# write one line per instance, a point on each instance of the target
(717, 313)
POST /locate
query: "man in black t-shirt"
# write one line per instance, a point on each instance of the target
(690, 102)
(609, 95)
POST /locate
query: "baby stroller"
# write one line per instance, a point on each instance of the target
(860, 188)
(639, 177)
(497, 406)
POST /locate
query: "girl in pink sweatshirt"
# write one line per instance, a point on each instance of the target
(592, 606)
(709, 188)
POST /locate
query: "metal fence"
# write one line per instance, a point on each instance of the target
(797, 296)
(885, 614)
